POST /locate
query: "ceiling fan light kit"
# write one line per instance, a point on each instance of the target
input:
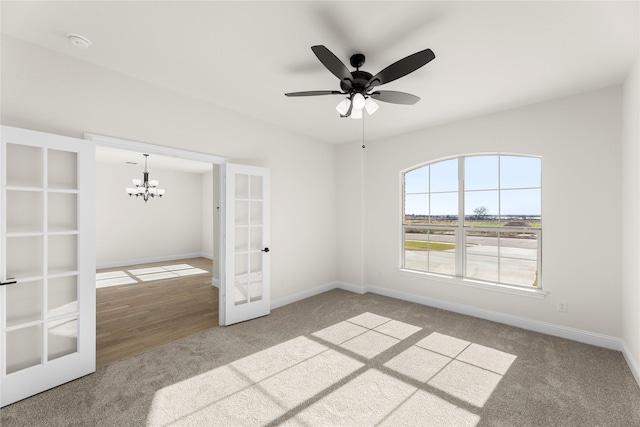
(358, 101)
(356, 114)
(343, 106)
(359, 86)
(371, 106)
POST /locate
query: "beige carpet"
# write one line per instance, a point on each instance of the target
(346, 359)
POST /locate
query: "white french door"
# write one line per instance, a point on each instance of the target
(245, 290)
(47, 262)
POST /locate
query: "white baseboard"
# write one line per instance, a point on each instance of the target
(573, 334)
(307, 293)
(128, 262)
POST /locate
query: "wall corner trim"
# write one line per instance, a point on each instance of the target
(633, 364)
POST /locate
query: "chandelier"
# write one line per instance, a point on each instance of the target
(145, 188)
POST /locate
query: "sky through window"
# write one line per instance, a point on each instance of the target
(505, 185)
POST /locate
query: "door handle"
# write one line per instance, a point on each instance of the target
(265, 250)
(9, 281)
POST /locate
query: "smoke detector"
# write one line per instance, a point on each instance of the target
(78, 40)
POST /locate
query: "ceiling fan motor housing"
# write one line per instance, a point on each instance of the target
(360, 80)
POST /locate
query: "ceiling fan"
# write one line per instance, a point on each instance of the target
(360, 86)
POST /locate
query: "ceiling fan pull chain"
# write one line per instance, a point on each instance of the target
(363, 146)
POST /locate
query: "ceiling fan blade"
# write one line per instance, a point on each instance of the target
(332, 63)
(315, 93)
(395, 97)
(402, 67)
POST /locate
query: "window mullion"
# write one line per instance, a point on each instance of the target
(460, 240)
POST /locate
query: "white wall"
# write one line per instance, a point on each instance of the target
(50, 92)
(631, 217)
(130, 231)
(579, 140)
(351, 213)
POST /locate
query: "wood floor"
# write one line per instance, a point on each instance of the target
(135, 318)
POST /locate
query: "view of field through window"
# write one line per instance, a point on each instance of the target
(496, 239)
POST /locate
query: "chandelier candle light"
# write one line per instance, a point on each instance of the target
(145, 188)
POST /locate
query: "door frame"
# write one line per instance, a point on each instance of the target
(179, 153)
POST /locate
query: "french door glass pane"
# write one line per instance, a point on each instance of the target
(256, 213)
(62, 212)
(242, 212)
(62, 169)
(24, 302)
(256, 276)
(63, 253)
(256, 239)
(242, 239)
(62, 295)
(241, 278)
(24, 165)
(24, 256)
(24, 348)
(24, 211)
(242, 186)
(256, 187)
(62, 337)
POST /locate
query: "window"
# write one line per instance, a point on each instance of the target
(477, 217)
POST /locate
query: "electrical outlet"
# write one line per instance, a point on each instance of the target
(563, 306)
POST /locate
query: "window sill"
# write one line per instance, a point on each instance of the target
(495, 287)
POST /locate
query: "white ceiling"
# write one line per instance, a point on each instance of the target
(244, 56)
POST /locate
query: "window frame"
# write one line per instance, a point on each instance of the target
(461, 230)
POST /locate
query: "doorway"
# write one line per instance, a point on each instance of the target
(156, 260)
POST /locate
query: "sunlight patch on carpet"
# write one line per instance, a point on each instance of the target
(340, 332)
(467, 371)
(329, 378)
(254, 390)
(418, 363)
